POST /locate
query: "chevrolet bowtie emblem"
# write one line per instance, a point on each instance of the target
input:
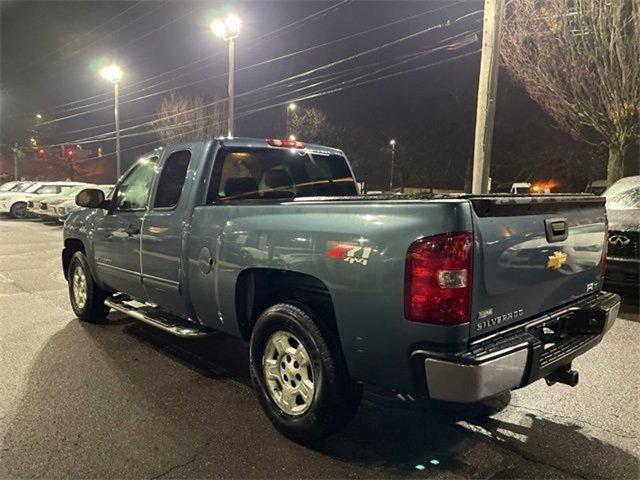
(556, 260)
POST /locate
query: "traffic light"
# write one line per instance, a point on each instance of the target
(69, 152)
(40, 152)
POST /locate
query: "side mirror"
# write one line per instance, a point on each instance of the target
(90, 198)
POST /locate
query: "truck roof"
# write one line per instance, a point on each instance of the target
(248, 142)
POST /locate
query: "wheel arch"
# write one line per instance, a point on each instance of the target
(71, 246)
(259, 288)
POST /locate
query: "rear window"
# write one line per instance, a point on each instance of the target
(280, 173)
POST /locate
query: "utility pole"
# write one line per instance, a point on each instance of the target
(487, 86)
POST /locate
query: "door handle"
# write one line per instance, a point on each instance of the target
(557, 229)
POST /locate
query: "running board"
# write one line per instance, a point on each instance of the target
(157, 318)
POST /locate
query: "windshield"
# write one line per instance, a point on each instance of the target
(32, 188)
(283, 173)
(21, 188)
(625, 200)
(72, 191)
(5, 187)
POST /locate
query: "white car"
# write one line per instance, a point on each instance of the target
(15, 203)
(42, 205)
(15, 186)
(63, 209)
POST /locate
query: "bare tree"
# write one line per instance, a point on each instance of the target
(312, 125)
(182, 118)
(580, 60)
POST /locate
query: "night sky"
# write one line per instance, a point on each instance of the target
(51, 53)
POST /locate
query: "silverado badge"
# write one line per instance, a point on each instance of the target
(556, 260)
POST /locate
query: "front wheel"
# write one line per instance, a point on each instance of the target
(87, 299)
(299, 374)
(18, 210)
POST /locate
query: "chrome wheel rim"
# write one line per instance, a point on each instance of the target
(79, 287)
(288, 373)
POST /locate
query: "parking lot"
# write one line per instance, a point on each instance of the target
(125, 400)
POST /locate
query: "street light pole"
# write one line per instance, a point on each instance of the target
(230, 91)
(113, 74)
(291, 107)
(392, 142)
(116, 111)
(229, 31)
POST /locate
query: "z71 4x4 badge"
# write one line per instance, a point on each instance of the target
(348, 252)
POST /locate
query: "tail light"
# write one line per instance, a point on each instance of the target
(605, 246)
(438, 273)
(275, 142)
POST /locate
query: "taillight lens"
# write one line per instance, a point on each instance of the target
(438, 273)
(605, 246)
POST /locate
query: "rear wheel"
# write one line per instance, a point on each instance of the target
(299, 374)
(18, 210)
(87, 299)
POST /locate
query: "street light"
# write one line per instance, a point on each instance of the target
(39, 116)
(392, 143)
(113, 74)
(228, 30)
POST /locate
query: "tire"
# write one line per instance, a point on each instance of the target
(332, 396)
(18, 210)
(81, 285)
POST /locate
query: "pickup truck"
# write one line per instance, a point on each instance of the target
(455, 298)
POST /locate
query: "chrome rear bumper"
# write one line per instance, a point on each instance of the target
(520, 355)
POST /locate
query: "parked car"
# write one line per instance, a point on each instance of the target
(414, 293)
(8, 186)
(15, 202)
(623, 253)
(63, 209)
(515, 188)
(597, 187)
(42, 205)
(15, 187)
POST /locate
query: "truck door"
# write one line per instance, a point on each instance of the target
(116, 234)
(162, 234)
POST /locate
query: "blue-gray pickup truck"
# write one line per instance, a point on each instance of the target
(449, 297)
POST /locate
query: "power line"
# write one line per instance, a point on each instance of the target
(331, 89)
(282, 57)
(327, 92)
(82, 35)
(288, 55)
(162, 74)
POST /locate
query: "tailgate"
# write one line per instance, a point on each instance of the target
(532, 254)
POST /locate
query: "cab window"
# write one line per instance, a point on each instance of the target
(281, 173)
(47, 189)
(133, 192)
(172, 179)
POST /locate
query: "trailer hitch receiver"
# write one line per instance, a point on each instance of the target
(564, 375)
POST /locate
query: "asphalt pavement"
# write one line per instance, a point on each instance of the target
(123, 400)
